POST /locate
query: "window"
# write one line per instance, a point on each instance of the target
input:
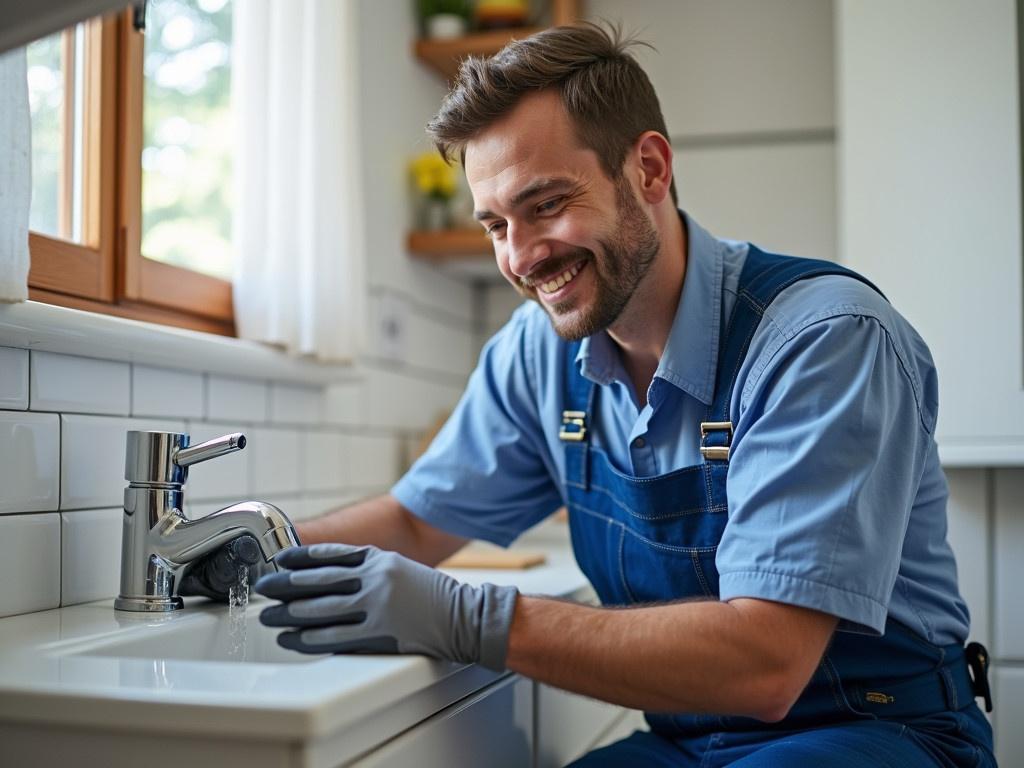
(131, 166)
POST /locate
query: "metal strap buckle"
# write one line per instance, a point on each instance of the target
(715, 452)
(574, 426)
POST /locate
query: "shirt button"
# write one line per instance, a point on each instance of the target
(639, 443)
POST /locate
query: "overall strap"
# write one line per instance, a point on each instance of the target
(764, 277)
(576, 419)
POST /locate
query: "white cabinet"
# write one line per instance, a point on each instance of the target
(514, 722)
(569, 725)
(929, 199)
(493, 727)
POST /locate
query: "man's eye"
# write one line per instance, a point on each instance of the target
(549, 205)
(495, 228)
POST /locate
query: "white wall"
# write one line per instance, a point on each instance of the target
(746, 90)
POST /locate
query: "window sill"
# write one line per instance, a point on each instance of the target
(44, 327)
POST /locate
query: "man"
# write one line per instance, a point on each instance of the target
(744, 443)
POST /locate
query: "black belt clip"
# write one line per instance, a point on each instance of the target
(978, 663)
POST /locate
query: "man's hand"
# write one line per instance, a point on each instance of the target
(214, 575)
(344, 599)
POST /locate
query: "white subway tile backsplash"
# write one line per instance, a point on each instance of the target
(374, 460)
(1009, 565)
(92, 458)
(29, 461)
(79, 385)
(92, 461)
(29, 563)
(502, 300)
(1006, 713)
(441, 346)
(166, 393)
(226, 478)
(90, 555)
(239, 400)
(968, 535)
(296, 405)
(326, 461)
(345, 403)
(13, 379)
(275, 461)
(319, 504)
(394, 400)
(196, 509)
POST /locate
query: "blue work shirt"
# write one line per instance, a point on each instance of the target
(837, 501)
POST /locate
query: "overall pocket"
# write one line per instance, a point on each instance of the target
(658, 570)
(645, 540)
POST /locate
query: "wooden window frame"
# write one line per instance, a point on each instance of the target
(107, 272)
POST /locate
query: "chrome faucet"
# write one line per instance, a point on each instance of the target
(158, 542)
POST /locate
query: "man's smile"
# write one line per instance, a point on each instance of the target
(554, 284)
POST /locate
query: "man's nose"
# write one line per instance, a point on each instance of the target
(525, 249)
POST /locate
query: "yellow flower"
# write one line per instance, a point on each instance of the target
(433, 176)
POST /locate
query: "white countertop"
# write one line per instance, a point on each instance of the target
(53, 669)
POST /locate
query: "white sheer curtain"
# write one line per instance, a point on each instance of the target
(299, 224)
(15, 176)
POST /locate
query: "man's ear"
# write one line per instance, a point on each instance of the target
(653, 155)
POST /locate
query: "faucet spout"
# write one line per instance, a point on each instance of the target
(181, 541)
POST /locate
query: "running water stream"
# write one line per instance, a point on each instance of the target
(238, 599)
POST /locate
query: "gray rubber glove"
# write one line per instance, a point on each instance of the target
(214, 575)
(344, 599)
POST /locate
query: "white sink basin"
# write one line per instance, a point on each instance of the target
(234, 635)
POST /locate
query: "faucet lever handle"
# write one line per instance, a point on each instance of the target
(211, 449)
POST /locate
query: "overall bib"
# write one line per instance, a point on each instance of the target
(654, 539)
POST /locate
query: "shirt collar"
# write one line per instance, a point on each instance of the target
(690, 360)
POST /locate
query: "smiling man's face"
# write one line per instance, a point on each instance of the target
(564, 233)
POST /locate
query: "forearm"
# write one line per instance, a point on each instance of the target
(709, 656)
(384, 523)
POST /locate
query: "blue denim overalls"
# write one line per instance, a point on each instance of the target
(642, 540)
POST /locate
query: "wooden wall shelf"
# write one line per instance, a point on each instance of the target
(467, 253)
(449, 245)
(445, 56)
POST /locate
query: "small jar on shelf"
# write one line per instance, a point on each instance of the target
(445, 19)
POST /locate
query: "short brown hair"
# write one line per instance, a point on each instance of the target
(605, 91)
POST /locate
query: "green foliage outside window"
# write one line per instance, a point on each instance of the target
(187, 135)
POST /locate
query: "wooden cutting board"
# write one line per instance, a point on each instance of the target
(500, 559)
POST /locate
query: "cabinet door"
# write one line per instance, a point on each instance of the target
(569, 725)
(492, 728)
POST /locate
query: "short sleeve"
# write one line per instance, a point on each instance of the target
(825, 466)
(486, 475)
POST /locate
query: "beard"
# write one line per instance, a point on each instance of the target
(621, 262)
